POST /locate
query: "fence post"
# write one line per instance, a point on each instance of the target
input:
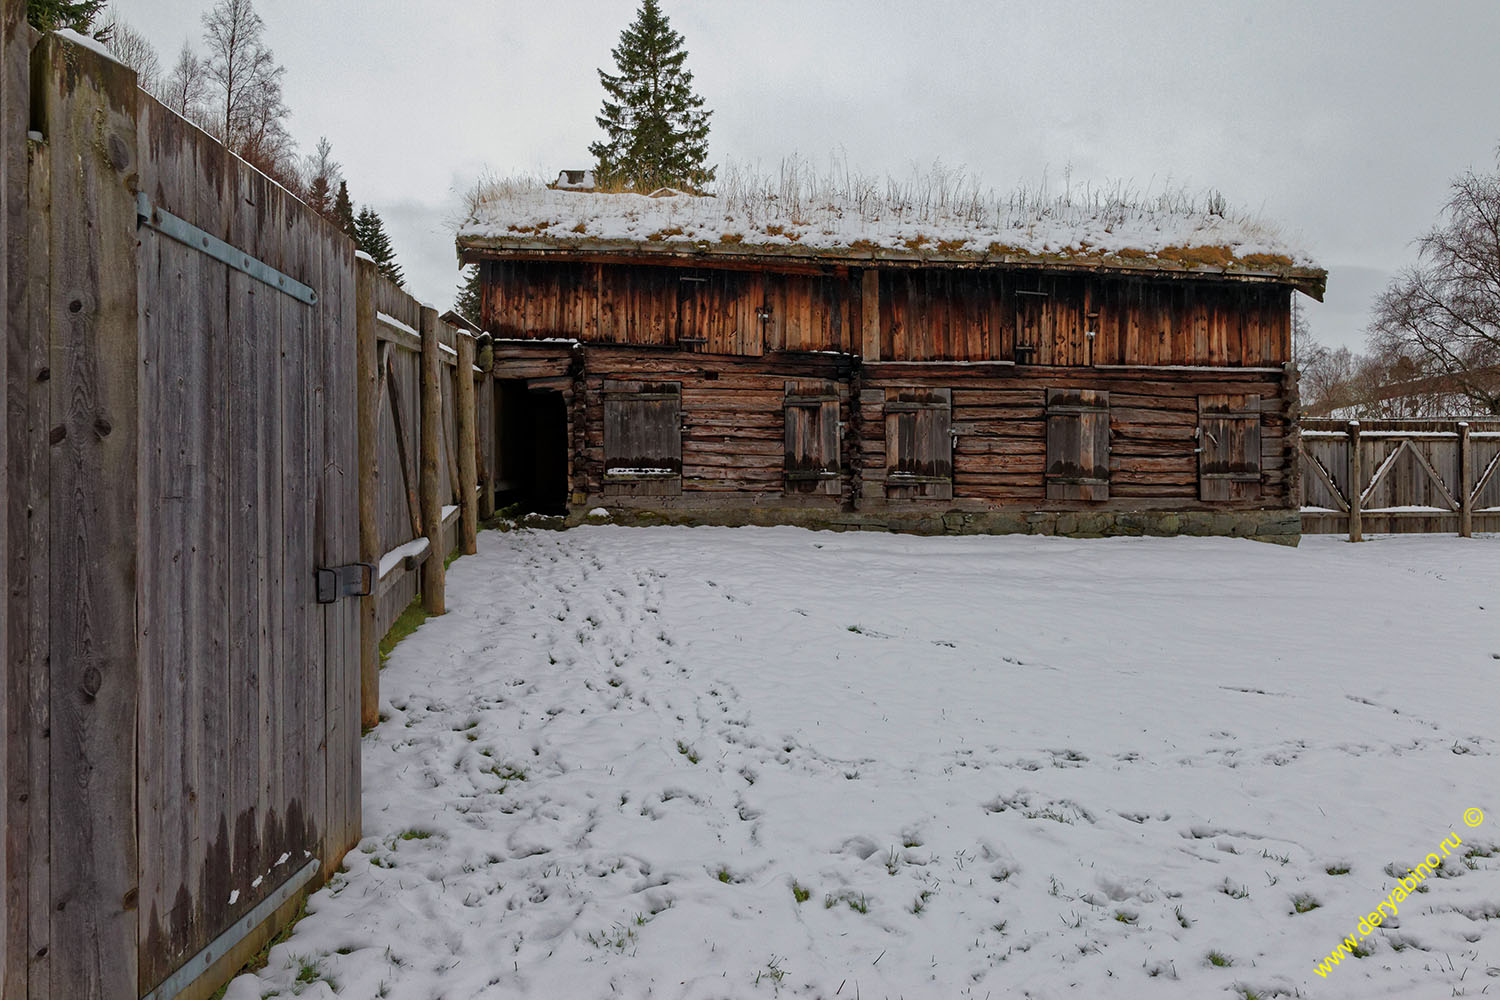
(433, 571)
(367, 376)
(92, 315)
(468, 473)
(1356, 476)
(1465, 482)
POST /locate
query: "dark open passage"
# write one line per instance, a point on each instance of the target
(532, 432)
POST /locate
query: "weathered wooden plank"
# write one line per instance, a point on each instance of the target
(302, 666)
(15, 100)
(431, 459)
(25, 962)
(367, 377)
(89, 125)
(870, 314)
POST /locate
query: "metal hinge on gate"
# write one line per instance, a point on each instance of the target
(187, 234)
(353, 580)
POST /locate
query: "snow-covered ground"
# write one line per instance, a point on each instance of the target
(740, 762)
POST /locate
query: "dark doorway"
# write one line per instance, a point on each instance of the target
(532, 432)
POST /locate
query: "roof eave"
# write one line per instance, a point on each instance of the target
(1311, 281)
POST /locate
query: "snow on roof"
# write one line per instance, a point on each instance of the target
(942, 216)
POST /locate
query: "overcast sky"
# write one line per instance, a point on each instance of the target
(1341, 122)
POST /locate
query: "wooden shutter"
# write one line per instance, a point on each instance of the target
(1077, 444)
(812, 437)
(642, 438)
(918, 444)
(1228, 447)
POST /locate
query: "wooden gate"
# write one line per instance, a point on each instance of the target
(1400, 476)
(248, 683)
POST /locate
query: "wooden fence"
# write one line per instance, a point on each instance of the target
(221, 425)
(1400, 476)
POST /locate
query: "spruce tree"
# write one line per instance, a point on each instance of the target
(343, 212)
(655, 126)
(49, 15)
(467, 302)
(373, 241)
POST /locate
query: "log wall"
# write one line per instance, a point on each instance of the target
(918, 314)
(734, 427)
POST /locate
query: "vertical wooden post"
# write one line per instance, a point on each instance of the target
(485, 415)
(468, 445)
(1465, 481)
(367, 377)
(1356, 478)
(88, 108)
(13, 106)
(431, 451)
(869, 304)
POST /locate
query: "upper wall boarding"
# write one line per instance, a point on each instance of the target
(910, 314)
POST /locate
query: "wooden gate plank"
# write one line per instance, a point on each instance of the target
(90, 128)
(368, 372)
(342, 539)
(26, 962)
(14, 95)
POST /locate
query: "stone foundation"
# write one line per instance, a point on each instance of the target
(1283, 527)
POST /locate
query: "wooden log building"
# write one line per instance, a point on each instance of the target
(923, 385)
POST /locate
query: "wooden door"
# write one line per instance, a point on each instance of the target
(1229, 466)
(642, 438)
(812, 437)
(1077, 444)
(919, 444)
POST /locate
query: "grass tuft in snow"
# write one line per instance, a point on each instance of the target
(616, 938)
(800, 894)
(310, 970)
(1219, 960)
(1234, 891)
(859, 904)
(1304, 903)
(772, 972)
